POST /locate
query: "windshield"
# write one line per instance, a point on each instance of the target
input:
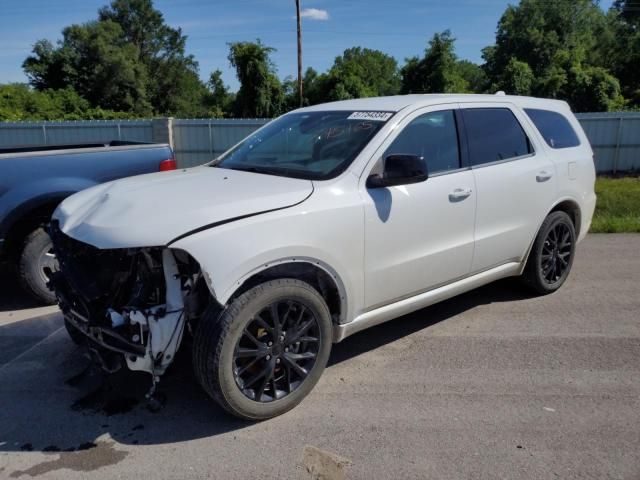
(312, 145)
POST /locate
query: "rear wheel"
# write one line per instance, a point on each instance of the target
(36, 264)
(552, 254)
(265, 352)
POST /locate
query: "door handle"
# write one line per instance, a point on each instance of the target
(543, 176)
(459, 194)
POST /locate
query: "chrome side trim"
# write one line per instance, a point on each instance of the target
(408, 305)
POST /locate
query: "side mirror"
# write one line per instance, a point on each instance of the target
(399, 170)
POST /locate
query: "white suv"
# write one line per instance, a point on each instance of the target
(326, 221)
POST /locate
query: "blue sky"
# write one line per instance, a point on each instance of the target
(400, 28)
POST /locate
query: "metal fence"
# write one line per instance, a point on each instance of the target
(82, 131)
(198, 141)
(615, 139)
(614, 136)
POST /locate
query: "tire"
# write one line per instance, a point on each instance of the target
(35, 260)
(229, 376)
(551, 256)
(77, 337)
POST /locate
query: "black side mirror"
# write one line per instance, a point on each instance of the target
(399, 170)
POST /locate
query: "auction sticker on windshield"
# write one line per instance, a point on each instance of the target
(376, 116)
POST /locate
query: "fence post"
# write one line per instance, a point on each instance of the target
(162, 130)
(616, 154)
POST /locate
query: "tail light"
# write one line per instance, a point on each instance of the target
(168, 164)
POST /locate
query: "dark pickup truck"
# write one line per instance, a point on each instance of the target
(34, 180)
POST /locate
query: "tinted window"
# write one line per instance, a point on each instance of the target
(433, 136)
(554, 127)
(494, 134)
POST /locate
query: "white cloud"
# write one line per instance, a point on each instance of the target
(314, 14)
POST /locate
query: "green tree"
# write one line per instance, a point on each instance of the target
(220, 99)
(174, 86)
(18, 102)
(516, 79)
(621, 48)
(260, 94)
(474, 76)
(554, 49)
(357, 73)
(128, 59)
(438, 71)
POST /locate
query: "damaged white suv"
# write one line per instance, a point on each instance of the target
(326, 221)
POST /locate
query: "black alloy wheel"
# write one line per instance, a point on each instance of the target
(552, 253)
(556, 253)
(277, 350)
(262, 354)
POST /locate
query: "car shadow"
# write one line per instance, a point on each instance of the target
(54, 400)
(12, 297)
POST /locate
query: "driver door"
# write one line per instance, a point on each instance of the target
(420, 236)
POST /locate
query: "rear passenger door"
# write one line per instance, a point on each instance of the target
(515, 182)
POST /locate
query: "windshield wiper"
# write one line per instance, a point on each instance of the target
(263, 170)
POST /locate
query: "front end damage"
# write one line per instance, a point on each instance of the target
(132, 305)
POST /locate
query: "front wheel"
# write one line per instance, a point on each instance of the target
(552, 254)
(264, 353)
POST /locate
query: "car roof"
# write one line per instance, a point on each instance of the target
(398, 102)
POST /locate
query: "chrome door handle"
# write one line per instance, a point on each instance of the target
(459, 194)
(543, 176)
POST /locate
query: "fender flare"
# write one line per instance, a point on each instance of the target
(525, 259)
(223, 297)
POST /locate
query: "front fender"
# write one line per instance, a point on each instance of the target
(333, 241)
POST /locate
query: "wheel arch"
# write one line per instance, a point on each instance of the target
(312, 271)
(568, 205)
(27, 217)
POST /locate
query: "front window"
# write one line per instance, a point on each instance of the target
(311, 145)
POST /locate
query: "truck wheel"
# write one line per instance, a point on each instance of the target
(552, 254)
(36, 263)
(266, 350)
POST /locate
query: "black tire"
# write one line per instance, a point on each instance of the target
(34, 261)
(77, 337)
(220, 334)
(551, 257)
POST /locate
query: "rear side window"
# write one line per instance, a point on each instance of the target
(554, 127)
(494, 134)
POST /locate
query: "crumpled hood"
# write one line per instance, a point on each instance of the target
(154, 209)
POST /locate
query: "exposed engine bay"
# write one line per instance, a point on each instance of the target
(130, 304)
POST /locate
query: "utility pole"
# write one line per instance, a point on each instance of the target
(299, 51)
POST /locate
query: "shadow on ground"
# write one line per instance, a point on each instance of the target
(53, 400)
(11, 295)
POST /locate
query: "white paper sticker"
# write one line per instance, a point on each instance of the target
(375, 116)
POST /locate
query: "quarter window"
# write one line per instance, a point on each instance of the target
(494, 134)
(554, 128)
(434, 137)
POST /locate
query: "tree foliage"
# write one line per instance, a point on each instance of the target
(554, 49)
(260, 93)
(357, 73)
(440, 71)
(127, 60)
(18, 102)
